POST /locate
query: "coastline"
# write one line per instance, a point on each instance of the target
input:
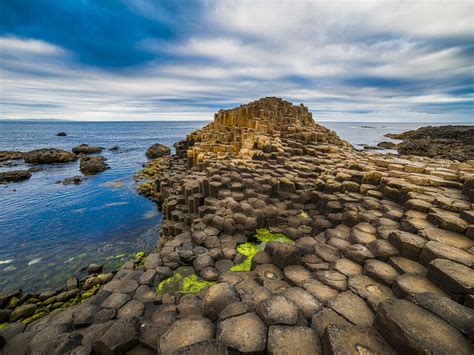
(331, 234)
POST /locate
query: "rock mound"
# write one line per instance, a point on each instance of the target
(447, 142)
(157, 151)
(86, 149)
(92, 165)
(14, 176)
(49, 156)
(61, 134)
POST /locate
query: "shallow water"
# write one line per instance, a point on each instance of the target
(49, 231)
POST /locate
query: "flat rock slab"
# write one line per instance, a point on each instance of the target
(185, 332)
(246, 333)
(324, 318)
(218, 296)
(412, 330)
(409, 284)
(119, 338)
(278, 310)
(351, 339)
(353, 308)
(452, 277)
(452, 312)
(303, 300)
(284, 340)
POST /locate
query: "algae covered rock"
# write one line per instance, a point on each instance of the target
(92, 165)
(49, 156)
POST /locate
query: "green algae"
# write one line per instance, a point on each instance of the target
(249, 249)
(264, 235)
(183, 281)
(3, 325)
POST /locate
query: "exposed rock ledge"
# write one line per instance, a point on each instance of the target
(279, 237)
(447, 142)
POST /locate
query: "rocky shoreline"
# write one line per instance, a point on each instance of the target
(279, 237)
(445, 142)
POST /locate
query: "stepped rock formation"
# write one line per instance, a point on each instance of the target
(279, 237)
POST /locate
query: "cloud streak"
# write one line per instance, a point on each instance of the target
(364, 61)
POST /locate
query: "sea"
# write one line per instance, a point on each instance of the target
(50, 231)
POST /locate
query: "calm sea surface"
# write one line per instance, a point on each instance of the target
(49, 231)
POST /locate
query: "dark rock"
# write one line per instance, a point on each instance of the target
(14, 176)
(305, 302)
(208, 347)
(447, 142)
(49, 156)
(84, 315)
(86, 149)
(61, 134)
(10, 155)
(74, 180)
(18, 345)
(11, 330)
(404, 325)
(387, 145)
(278, 310)
(351, 339)
(5, 315)
(185, 332)
(452, 312)
(24, 311)
(157, 151)
(41, 342)
(92, 165)
(217, 297)
(119, 338)
(235, 333)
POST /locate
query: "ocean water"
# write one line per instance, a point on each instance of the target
(49, 231)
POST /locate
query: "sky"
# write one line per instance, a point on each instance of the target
(387, 61)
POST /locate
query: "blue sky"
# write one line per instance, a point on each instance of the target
(177, 60)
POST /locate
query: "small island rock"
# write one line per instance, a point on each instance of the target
(49, 156)
(86, 149)
(14, 176)
(61, 134)
(92, 165)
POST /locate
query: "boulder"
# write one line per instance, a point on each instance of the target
(49, 156)
(24, 311)
(61, 134)
(86, 149)
(92, 165)
(157, 151)
(14, 176)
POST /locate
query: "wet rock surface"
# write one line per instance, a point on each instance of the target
(278, 237)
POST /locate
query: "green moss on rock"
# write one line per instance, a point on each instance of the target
(183, 281)
(249, 249)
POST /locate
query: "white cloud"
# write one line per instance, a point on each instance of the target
(305, 51)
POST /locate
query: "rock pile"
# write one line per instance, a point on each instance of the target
(293, 242)
(447, 142)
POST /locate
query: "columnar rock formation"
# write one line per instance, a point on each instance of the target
(299, 244)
